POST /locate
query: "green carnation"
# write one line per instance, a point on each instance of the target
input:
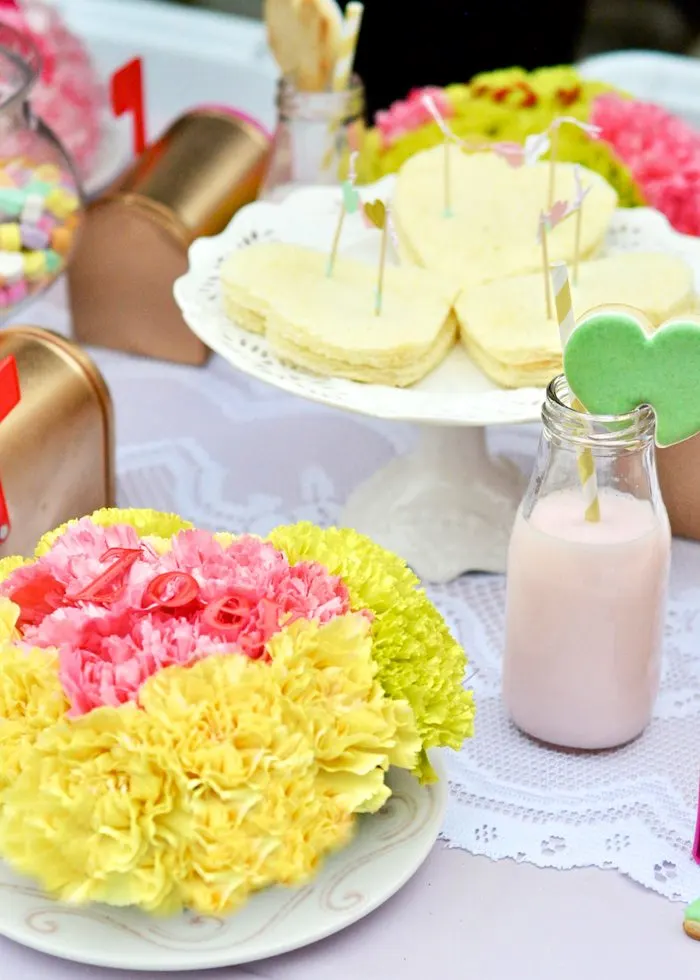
(508, 106)
(418, 659)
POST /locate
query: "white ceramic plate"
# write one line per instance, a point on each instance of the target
(455, 393)
(389, 848)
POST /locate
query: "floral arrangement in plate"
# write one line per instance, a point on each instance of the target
(646, 153)
(507, 106)
(188, 717)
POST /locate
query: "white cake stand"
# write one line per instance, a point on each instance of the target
(447, 507)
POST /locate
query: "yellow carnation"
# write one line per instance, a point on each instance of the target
(97, 813)
(260, 812)
(9, 614)
(419, 661)
(31, 700)
(327, 676)
(9, 564)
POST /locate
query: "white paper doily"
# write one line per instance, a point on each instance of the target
(456, 393)
(631, 809)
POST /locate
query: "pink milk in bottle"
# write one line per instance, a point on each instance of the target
(586, 600)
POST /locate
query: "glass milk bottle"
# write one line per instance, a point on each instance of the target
(586, 599)
(313, 136)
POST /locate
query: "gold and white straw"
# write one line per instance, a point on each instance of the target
(348, 46)
(342, 73)
(567, 322)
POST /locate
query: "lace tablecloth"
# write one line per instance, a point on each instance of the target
(227, 452)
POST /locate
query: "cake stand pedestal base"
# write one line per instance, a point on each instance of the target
(447, 507)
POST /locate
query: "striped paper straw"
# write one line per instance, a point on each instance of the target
(565, 318)
(343, 69)
(348, 46)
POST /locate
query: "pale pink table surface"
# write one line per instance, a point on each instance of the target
(467, 917)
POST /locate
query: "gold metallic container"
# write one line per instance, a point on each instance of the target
(190, 183)
(57, 444)
(679, 476)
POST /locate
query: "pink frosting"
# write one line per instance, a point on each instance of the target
(69, 96)
(404, 116)
(662, 153)
(107, 649)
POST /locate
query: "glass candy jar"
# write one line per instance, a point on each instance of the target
(313, 136)
(586, 598)
(40, 196)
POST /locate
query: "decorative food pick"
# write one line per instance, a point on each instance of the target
(581, 194)
(448, 137)
(614, 364)
(542, 238)
(350, 204)
(126, 91)
(9, 398)
(553, 130)
(549, 220)
(378, 214)
(567, 323)
(521, 154)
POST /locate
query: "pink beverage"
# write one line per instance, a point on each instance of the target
(585, 617)
(586, 598)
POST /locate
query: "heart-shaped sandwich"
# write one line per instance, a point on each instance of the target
(614, 363)
(491, 231)
(328, 325)
(506, 331)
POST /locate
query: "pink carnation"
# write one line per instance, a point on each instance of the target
(111, 641)
(662, 153)
(405, 116)
(105, 656)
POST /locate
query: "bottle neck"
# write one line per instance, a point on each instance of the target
(618, 449)
(566, 425)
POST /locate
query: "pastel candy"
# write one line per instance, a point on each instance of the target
(11, 201)
(60, 203)
(35, 264)
(33, 237)
(61, 240)
(48, 171)
(33, 208)
(10, 238)
(11, 266)
(46, 223)
(17, 292)
(53, 260)
(39, 187)
(614, 364)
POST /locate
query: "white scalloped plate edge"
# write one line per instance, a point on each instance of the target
(389, 848)
(456, 393)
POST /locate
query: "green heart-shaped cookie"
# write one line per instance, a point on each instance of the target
(614, 364)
